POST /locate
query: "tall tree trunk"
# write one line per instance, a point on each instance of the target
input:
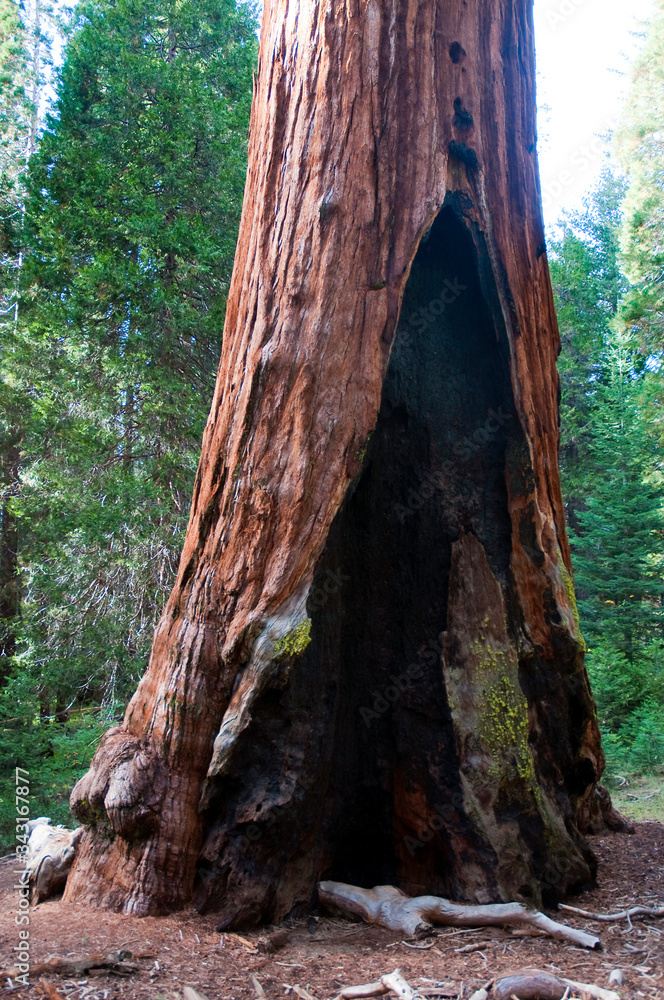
(370, 668)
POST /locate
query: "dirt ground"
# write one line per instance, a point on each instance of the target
(322, 955)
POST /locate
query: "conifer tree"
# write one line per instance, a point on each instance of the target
(619, 545)
(16, 115)
(589, 286)
(611, 464)
(640, 148)
(133, 204)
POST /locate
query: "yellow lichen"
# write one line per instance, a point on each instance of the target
(503, 724)
(295, 641)
(568, 584)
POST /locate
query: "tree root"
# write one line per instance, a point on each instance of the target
(415, 917)
(393, 982)
(634, 911)
(524, 984)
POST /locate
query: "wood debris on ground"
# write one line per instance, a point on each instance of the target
(183, 956)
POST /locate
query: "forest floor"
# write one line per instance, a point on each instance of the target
(641, 797)
(322, 955)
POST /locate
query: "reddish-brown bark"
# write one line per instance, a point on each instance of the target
(392, 179)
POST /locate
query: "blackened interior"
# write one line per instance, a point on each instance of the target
(343, 753)
(435, 467)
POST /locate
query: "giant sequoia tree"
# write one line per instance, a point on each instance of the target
(370, 667)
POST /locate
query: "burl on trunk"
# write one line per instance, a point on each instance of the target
(370, 668)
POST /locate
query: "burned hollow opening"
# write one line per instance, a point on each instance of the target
(349, 770)
(435, 467)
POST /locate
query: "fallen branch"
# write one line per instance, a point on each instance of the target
(643, 798)
(189, 993)
(49, 990)
(415, 917)
(528, 984)
(524, 984)
(393, 982)
(634, 911)
(477, 946)
(535, 984)
(594, 991)
(73, 968)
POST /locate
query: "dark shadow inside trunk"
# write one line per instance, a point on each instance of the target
(349, 769)
(435, 468)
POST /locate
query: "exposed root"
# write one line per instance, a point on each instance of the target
(634, 911)
(391, 908)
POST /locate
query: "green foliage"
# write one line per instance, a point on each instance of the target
(15, 105)
(611, 467)
(640, 148)
(131, 217)
(645, 739)
(619, 539)
(621, 687)
(120, 245)
(588, 286)
(55, 755)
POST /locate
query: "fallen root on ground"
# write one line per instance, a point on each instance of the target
(113, 962)
(524, 984)
(391, 983)
(415, 917)
(634, 911)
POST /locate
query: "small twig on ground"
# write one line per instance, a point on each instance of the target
(476, 946)
(258, 989)
(241, 940)
(189, 993)
(634, 911)
(50, 990)
(302, 993)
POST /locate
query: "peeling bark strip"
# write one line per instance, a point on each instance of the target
(388, 294)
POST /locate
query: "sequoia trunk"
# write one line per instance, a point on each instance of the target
(370, 669)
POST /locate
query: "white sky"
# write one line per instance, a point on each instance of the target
(584, 48)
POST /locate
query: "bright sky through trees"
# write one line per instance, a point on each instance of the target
(584, 48)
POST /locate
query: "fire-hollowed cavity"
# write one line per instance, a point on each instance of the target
(356, 766)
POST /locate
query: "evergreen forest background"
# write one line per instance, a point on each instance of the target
(121, 182)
